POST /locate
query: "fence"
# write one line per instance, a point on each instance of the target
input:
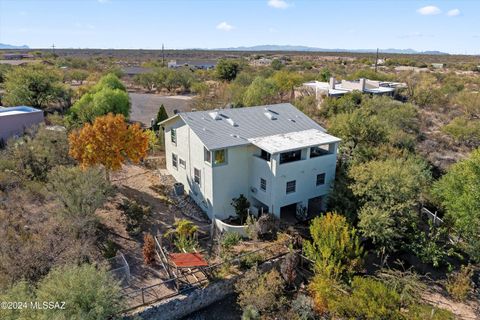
(432, 216)
(120, 268)
(178, 285)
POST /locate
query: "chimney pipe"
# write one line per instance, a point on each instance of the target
(332, 82)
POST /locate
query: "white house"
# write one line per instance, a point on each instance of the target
(15, 120)
(335, 88)
(275, 155)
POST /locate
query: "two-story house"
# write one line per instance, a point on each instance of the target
(275, 155)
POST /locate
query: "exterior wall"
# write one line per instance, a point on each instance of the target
(242, 172)
(230, 180)
(16, 124)
(189, 148)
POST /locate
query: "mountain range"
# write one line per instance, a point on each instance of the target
(9, 46)
(313, 49)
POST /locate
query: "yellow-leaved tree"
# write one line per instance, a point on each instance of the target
(109, 141)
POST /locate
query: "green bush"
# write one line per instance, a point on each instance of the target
(230, 239)
(134, 214)
(250, 260)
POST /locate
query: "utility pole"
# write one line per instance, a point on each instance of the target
(163, 56)
(53, 49)
(376, 61)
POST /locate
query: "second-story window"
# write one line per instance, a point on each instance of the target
(182, 162)
(290, 156)
(220, 156)
(320, 179)
(263, 184)
(207, 155)
(265, 155)
(174, 161)
(173, 135)
(197, 176)
(291, 186)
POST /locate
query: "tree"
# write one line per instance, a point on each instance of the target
(110, 141)
(36, 85)
(263, 291)
(379, 226)
(99, 103)
(394, 185)
(286, 82)
(227, 69)
(161, 115)
(458, 192)
(241, 206)
(89, 293)
(110, 81)
(260, 91)
(335, 247)
(80, 192)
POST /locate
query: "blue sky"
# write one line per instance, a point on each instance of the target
(449, 25)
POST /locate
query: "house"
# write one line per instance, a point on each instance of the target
(15, 120)
(192, 64)
(334, 88)
(274, 155)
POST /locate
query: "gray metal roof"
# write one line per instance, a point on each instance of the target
(234, 127)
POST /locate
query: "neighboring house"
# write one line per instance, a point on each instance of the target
(275, 155)
(334, 88)
(15, 120)
(192, 64)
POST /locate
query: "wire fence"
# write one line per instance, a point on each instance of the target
(188, 281)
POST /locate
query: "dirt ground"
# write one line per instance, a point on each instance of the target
(464, 311)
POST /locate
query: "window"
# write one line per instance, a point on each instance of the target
(290, 156)
(173, 135)
(319, 151)
(220, 156)
(320, 179)
(263, 184)
(207, 155)
(265, 155)
(182, 162)
(291, 186)
(174, 161)
(197, 176)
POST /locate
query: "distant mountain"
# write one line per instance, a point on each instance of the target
(9, 46)
(313, 49)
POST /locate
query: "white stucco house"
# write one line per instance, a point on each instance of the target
(275, 155)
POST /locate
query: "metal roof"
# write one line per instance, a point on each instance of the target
(224, 128)
(188, 260)
(293, 140)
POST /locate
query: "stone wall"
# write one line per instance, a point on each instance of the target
(185, 304)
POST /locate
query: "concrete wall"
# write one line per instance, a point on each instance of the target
(14, 121)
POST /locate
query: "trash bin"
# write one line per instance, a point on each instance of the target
(178, 188)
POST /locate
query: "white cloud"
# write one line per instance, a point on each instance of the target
(453, 13)
(429, 11)
(224, 26)
(278, 4)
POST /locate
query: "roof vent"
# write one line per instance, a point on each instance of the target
(292, 120)
(231, 122)
(270, 116)
(214, 115)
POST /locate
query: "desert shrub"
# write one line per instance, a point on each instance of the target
(459, 284)
(250, 227)
(335, 247)
(134, 215)
(89, 293)
(370, 299)
(406, 283)
(183, 235)
(465, 131)
(148, 249)
(110, 249)
(302, 307)
(230, 239)
(36, 153)
(80, 193)
(325, 293)
(250, 313)
(266, 227)
(288, 268)
(263, 291)
(250, 260)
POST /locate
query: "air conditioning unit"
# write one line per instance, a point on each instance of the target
(253, 189)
